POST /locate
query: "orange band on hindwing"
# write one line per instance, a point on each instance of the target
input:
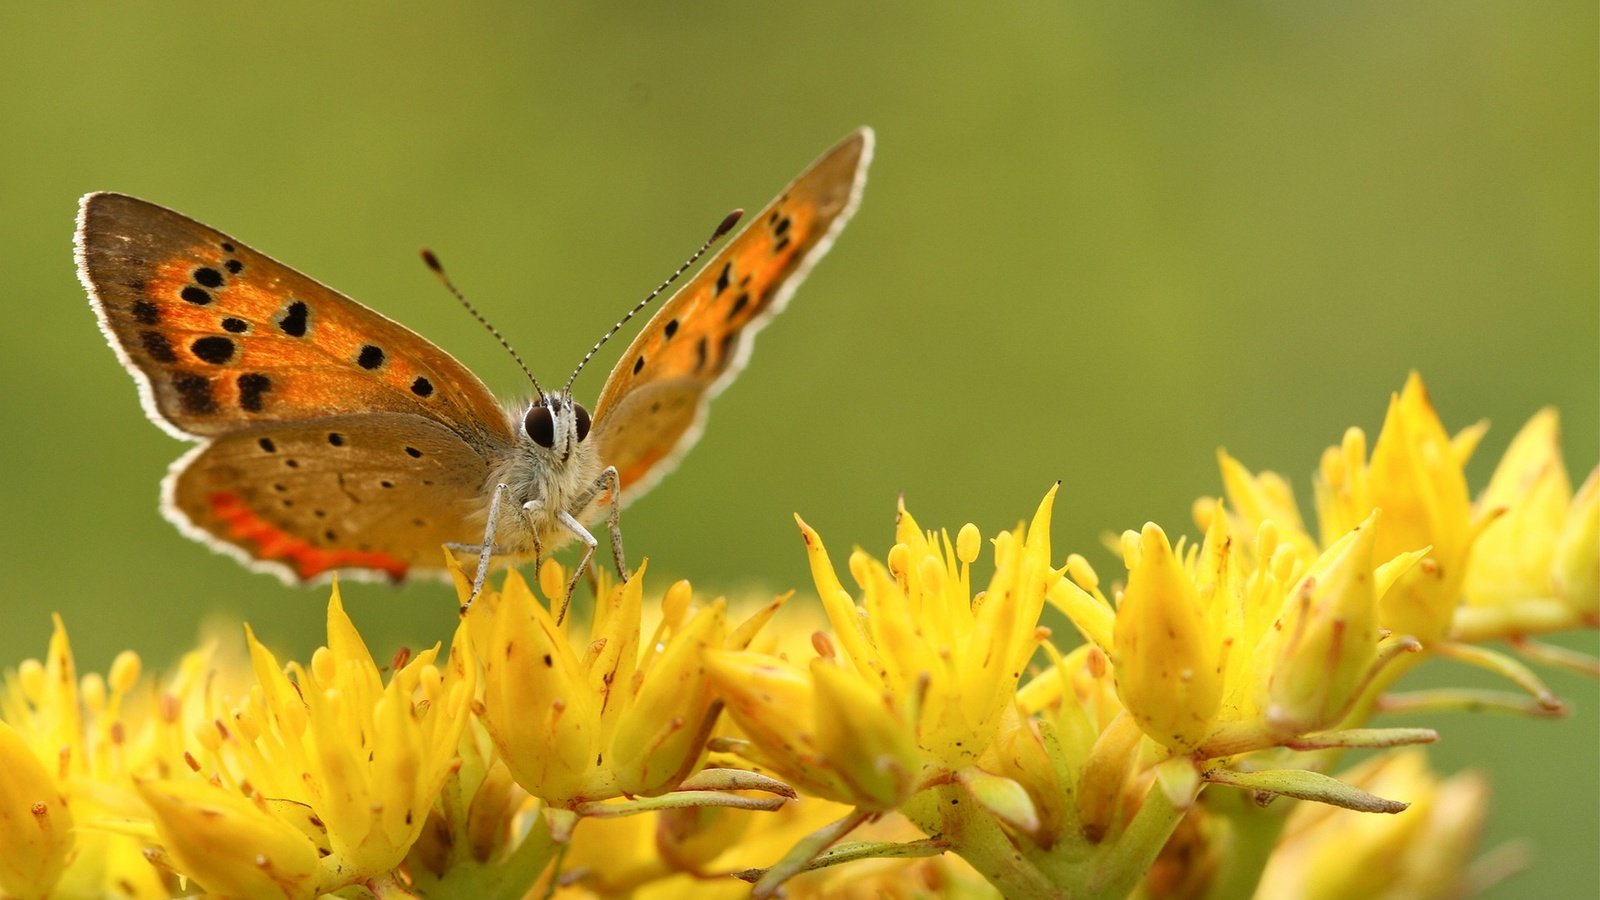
(271, 542)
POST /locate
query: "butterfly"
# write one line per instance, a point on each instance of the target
(333, 438)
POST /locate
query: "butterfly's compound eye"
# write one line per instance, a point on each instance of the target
(541, 426)
(583, 420)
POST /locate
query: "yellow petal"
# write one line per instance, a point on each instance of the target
(536, 704)
(1528, 496)
(1576, 568)
(1002, 796)
(774, 703)
(1416, 479)
(864, 737)
(228, 844)
(1166, 660)
(35, 825)
(1326, 638)
(661, 734)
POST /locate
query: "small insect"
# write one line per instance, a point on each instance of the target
(333, 438)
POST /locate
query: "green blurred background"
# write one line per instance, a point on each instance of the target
(1098, 242)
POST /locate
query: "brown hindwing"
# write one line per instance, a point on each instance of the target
(377, 492)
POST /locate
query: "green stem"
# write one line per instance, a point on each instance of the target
(523, 866)
(1253, 833)
(803, 853)
(1117, 867)
(949, 813)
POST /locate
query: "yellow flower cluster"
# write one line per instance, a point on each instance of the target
(928, 735)
(307, 780)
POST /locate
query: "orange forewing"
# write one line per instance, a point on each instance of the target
(653, 402)
(222, 336)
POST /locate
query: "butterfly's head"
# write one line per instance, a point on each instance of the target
(557, 423)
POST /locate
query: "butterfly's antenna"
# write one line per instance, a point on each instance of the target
(728, 221)
(433, 263)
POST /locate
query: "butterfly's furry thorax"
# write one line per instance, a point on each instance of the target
(552, 466)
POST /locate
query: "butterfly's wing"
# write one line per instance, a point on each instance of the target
(376, 493)
(653, 403)
(221, 337)
(231, 345)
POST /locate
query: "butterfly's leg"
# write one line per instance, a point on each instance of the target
(610, 481)
(533, 511)
(589, 543)
(486, 549)
(612, 485)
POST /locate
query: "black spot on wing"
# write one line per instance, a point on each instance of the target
(194, 393)
(252, 387)
(295, 319)
(145, 312)
(208, 277)
(370, 357)
(156, 346)
(422, 387)
(235, 325)
(723, 277)
(197, 296)
(214, 349)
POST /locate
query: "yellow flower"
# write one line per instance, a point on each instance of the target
(324, 763)
(821, 731)
(1424, 853)
(1321, 650)
(1415, 476)
(607, 715)
(1077, 751)
(1535, 567)
(915, 682)
(90, 737)
(1217, 651)
(1523, 560)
